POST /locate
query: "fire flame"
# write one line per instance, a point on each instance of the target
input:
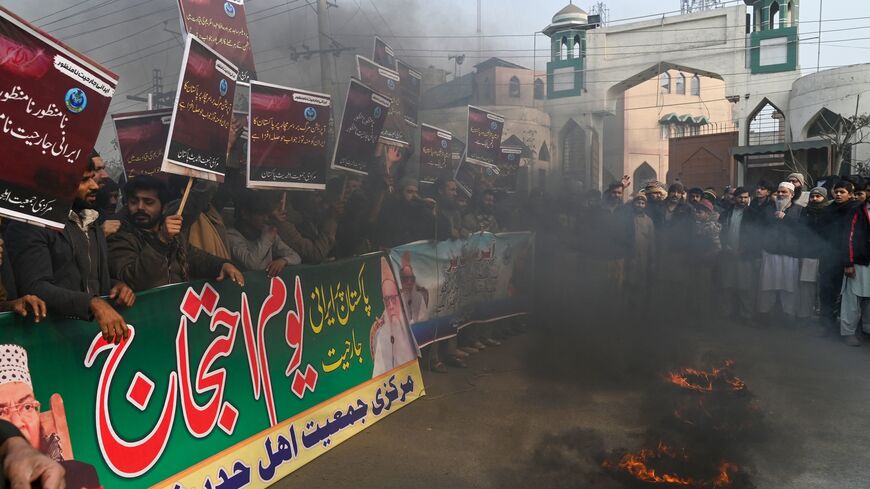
(703, 381)
(724, 479)
(638, 466)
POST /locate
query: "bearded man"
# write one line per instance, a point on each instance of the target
(149, 249)
(780, 258)
(390, 340)
(69, 270)
(18, 405)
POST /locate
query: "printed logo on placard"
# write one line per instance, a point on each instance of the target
(489, 171)
(76, 100)
(493, 125)
(229, 9)
(378, 112)
(225, 87)
(444, 143)
(512, 157)
(391, 84)
(310, 114)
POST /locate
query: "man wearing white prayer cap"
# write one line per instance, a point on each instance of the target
(17, 402)
(780, 259)
(390, 338)
(19, 406)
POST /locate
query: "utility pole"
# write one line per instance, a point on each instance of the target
(819, 53)
(327, 77)
(156, 97)
(479, 33)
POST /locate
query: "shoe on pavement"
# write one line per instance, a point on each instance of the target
(478, 345)
(468, 349)
(852, 340)
(457, 362)
(461, 354)
(439, 368)
(491, 342)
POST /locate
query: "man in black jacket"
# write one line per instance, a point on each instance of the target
(855, 305)
(673, 220)
(780, 260)
(405, 217)
(69, 270)
(832, 260)
(741, 256)
(764, 198)
(149, 249)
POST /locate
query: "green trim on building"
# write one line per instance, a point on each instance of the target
(570, 61)
(575, 64)
(791, 36)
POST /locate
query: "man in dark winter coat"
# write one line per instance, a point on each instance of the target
(69, 270)
(832, 260)
(149, 249)
(741, 256)
(780, 259)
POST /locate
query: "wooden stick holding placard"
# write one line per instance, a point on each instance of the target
(283, 201)
(185, 196)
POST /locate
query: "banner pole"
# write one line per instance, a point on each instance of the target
(283, 201)
(185, 196)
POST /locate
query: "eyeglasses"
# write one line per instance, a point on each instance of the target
(25, 409)
(391, 299)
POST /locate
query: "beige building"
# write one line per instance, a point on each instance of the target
(506, 88)
(674, 104)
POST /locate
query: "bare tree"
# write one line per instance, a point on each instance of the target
(845, 135)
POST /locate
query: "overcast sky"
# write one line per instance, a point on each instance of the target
(130, 37)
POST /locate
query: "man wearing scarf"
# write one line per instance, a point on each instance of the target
(814, 220)
(639, 263)
(741, 256)
(832, 262)
(801, 196)
(780, 262)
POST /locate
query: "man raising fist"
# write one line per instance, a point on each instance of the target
(149, 249)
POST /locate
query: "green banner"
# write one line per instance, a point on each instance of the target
(218, 386)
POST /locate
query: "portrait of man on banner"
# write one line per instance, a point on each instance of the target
(45, 430)
(391, 342)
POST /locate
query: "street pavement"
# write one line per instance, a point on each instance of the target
(522, 412)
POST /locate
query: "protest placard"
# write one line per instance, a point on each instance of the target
(287, 137)
(508, 168)
(52, 103)
(384, 54)
(484, 136)
(222, 25)
(412, 89)
(142, 140)
(202, 115)
(361, 123)
(387, 83)
(436, 153)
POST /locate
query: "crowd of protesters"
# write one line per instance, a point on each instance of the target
(121, 239)
(776, 253)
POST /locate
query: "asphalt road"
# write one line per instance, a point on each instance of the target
(525, 413)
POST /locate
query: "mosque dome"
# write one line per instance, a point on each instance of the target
(571, 14)
(570, 17)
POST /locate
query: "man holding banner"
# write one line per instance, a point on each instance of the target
(150, 251)
(70, 270)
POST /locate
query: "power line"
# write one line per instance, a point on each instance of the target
(59, 11)
(109, 26)
(91, 19)
(107, 2)
(125, 37)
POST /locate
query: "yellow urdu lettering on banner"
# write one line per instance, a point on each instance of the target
(286, 447)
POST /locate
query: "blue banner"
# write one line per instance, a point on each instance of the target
(448, 285)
